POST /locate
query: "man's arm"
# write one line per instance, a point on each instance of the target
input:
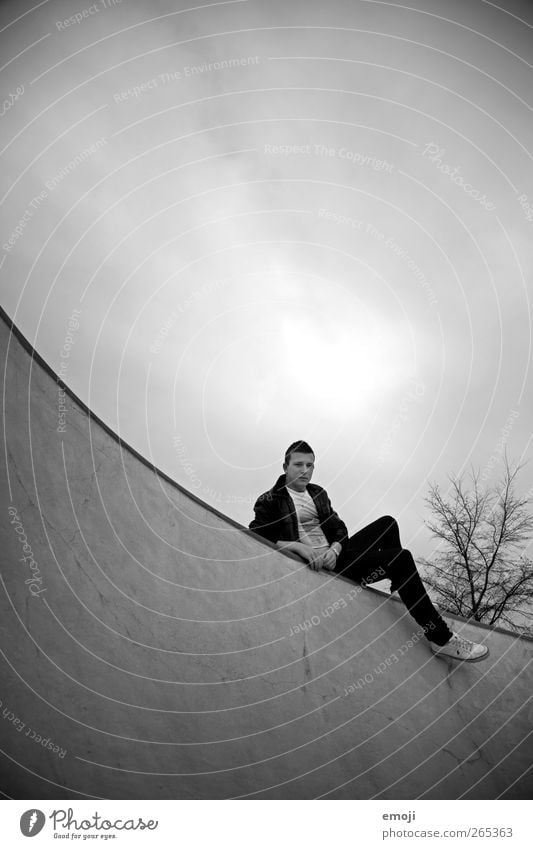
(264, 522)
(290, 545)
(295, 546)
(331, 555)
(314, 558)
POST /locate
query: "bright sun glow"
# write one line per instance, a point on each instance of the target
(310, 351)
(340, 369)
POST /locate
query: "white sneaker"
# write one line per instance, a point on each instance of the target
(461, 649)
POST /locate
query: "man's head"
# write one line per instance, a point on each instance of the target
(299, 465)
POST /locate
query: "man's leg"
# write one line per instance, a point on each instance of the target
(374, 553)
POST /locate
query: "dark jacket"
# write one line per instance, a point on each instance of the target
(275, 514)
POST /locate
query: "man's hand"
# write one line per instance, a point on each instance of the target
(318, 559)
(306, 552)
(329, 560)
(315, 558)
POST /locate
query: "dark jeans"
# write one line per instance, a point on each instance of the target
(374, 553)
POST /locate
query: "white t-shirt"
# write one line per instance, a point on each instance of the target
(309, 530)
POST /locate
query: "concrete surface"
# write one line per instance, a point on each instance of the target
(152, 648)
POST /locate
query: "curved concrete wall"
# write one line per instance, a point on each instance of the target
(151, 648)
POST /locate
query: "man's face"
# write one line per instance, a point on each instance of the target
(299, 470)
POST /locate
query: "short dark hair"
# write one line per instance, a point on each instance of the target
(298, 446)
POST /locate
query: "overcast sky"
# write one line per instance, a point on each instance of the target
(279, 220)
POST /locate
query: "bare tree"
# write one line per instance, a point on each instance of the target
(479, 569)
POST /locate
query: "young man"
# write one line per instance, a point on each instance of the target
(297, 515)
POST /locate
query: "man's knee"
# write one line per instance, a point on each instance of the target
(388, 521)
(400, 560)
(387, 529)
